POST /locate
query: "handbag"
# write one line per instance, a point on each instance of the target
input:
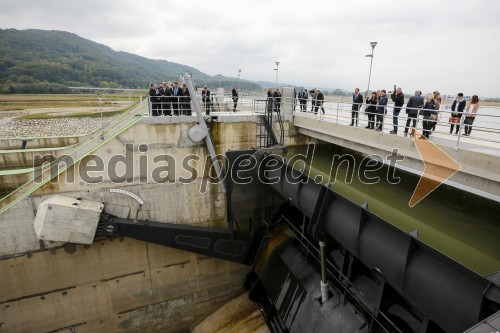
(454, 120)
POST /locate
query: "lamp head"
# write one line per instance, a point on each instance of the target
(373, 44)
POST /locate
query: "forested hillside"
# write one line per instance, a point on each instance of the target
(39, 61)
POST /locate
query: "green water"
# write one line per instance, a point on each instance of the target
(463, 226)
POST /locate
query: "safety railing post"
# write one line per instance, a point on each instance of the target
(457, 147)
(337, 118)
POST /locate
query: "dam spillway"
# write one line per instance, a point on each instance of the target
(132, 285)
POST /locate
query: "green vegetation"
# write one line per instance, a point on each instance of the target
(39, 61)
(71, 106)
(71, 115)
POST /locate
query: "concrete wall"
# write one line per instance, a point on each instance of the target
(31, 143)
(123, 285)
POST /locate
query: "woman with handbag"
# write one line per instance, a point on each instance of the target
(429, 115)
(470, 114)
(457, 110)
(437, 106)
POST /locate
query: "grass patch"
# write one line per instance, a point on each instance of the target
(22, 102)
(72, 115)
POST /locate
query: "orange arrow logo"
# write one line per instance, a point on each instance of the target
(439, 166)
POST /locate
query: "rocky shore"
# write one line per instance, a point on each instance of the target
(13, 128)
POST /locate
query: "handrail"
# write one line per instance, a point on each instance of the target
(81, 150)
(486, 127)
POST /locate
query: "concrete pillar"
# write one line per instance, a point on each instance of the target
(287, 100)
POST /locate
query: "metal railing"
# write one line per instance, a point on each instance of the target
(45, 173)
(181, 106)
(485, 129)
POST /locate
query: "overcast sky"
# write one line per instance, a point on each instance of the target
(446, 45)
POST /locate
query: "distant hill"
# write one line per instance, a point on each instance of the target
(40, 61)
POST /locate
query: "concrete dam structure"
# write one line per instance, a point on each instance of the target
(134, 229)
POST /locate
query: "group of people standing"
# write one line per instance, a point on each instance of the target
(317, 100)
(376, 108)
(274, 100)
(166, 99)
(170, 97)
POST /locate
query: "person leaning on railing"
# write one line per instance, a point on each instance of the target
(457, 109)
(470, 114)
(414, 103)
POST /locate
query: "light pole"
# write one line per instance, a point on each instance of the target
(219, 79)
(373, 44)
(239, 79)
(276, 69)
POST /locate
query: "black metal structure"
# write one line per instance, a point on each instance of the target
(398, 282)
(217, 243)
(381, 279)
(266, 137)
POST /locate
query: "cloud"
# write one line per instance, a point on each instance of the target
(446, 45)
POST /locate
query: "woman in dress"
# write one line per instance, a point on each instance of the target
(470, 114)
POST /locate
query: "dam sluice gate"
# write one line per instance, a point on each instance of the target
(312, 258)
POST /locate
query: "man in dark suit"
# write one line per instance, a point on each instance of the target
(412, 108)
(357, 100)
(303, 96)
(205, 98)
(457, 109)
(320, 99)
(235, 95)
(165, 100)
(398, 98)
(186, 101)
(277, 99)
(270, 99)
(155, 99)
(313, 93)
(176, 98)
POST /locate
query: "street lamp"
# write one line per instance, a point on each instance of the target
(276, 69)
(373, 44)
(239, 79)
